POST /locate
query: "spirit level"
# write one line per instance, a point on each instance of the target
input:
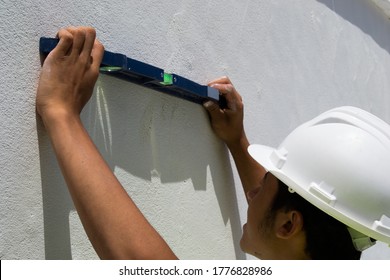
(134, 71)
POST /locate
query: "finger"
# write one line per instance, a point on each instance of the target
(78, 40)
(214, 110)
(228, 91)
(220, 80)
(90, 35)
(97, 54)
(65, 44)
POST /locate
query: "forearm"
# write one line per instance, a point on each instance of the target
(113, 223)
(250, 171)
(228, 125)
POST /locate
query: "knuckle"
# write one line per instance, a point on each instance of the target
(90, 30)
(99, 45)
(79, 32)
(229, 88)
(227, 79)
(66, 36)
(71, 29)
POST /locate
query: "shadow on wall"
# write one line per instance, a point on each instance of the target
(142, 132)
(57, 202)
(365, 15)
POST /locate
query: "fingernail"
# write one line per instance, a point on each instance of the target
(208, 104)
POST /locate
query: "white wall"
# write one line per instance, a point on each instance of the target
(290, 60)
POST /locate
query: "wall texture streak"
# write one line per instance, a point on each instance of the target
(290, 60)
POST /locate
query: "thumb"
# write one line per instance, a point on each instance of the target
(213, 109)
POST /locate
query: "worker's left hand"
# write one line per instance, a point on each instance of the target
(69, 73)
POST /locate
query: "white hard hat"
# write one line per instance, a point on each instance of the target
(339, 162)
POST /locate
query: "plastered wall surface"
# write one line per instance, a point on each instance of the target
(290, 60)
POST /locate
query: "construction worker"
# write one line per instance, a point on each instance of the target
(328, 182)
(321, 195)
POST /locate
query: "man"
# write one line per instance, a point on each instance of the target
(278, 226)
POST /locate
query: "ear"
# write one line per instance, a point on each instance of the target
(288, 224)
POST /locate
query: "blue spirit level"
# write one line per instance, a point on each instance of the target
(134, 71)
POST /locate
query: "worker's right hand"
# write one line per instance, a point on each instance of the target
(227, 123)
(69, 73)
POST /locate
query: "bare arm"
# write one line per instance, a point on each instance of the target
(114, 224)
(228, 125)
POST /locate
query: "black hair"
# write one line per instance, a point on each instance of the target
(326, 237)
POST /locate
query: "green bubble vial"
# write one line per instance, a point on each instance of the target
(110, 68)
(168, 79)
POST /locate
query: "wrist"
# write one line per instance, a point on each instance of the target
(53, 117)
(239, 144)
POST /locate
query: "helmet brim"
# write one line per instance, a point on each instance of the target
(262, 154)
